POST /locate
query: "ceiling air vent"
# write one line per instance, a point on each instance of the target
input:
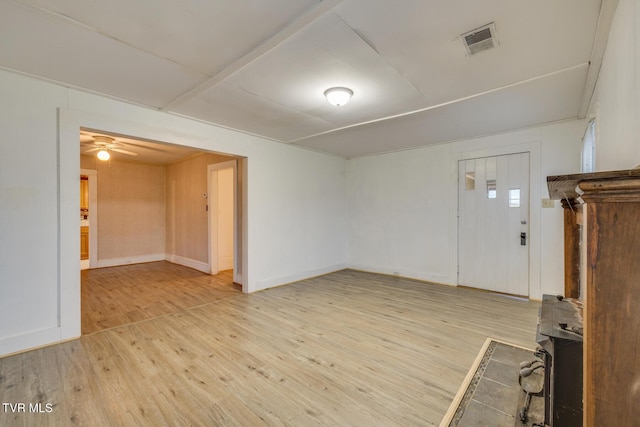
(480, 39)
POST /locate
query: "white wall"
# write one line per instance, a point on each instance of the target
(617, 99)
(399, 219)
(304, 227)
(402, 206)
(296, 213)
(28, 212)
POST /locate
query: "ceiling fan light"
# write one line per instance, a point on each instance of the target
(103, 155)
(338, 95)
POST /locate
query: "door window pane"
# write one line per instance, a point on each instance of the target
(514, 197)
(470, 181)
(491, 189)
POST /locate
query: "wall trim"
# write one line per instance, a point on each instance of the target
(285, 280)
(188, 262)
(115, 262)
(29, 341)
(176, 259)
(439, 279)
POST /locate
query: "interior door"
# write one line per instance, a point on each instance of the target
(493, 223)
(84, 222)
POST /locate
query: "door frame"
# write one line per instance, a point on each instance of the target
(212, 211)
(465, 152)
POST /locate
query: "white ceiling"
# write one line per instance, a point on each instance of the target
(262, 66)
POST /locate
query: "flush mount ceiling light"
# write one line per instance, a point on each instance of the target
(103, 155)
(338, 95)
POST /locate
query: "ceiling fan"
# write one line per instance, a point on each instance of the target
(103, 145)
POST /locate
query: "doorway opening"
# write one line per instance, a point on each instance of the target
(222, 184)
(151, 222)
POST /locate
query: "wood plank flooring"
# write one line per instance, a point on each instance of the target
(119, 295)
(348, 348)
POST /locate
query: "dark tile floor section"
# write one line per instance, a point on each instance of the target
(497, 395)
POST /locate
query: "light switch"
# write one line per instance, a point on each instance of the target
(548, 203)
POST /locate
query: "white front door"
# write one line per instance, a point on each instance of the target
(493, 223)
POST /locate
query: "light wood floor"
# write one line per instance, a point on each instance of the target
(120, 295)
(348, 348)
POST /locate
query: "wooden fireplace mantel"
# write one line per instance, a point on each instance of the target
(610, 206)
(565, 187)
(569, 189)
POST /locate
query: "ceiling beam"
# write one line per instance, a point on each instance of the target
(605, 18)
(280, 37)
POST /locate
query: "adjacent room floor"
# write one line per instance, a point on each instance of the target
(126, 294)
(348, 348)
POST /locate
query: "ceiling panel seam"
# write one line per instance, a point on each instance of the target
(443, 104)
(75, 22)
(271, 43)
(367, 42)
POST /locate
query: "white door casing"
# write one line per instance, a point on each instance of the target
(493, 212)
(214, 205)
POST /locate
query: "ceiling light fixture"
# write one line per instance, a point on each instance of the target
(103, 155)
(338, 95)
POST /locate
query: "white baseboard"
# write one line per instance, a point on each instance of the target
(176, 259)
(441, 279)
(187, 262)
(270, 283)
(29, 340)
(114, 262)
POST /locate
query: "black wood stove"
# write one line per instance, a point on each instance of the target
(560, 336)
